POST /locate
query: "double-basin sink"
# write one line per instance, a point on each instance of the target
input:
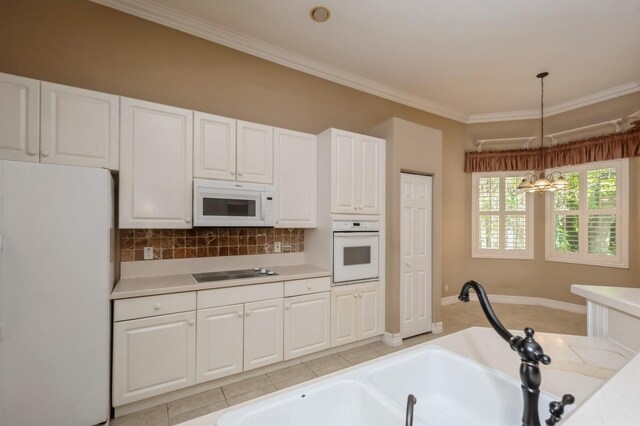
(450, 390)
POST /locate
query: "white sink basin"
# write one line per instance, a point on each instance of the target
(344, 402)
(452, 390)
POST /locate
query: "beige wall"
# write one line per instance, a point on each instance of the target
(83, 44)
(418, 149)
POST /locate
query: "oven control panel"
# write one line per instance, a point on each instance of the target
(348, 225)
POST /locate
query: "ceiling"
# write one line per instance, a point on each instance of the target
(469, 60)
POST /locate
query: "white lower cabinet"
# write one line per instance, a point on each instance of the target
(152, 356)
(263, 333)
(220, 342)
(306, 324)
(355, 313)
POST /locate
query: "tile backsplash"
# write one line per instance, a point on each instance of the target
(207, 242)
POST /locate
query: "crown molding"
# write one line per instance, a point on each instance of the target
(614, 92)
(188, 24)
(182, 22)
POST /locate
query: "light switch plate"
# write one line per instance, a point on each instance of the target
(277, 247)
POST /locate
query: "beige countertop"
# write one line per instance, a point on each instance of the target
(621, 298)
(164, 284)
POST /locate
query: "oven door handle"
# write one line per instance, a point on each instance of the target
(356, 234)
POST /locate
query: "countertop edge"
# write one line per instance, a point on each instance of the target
(595, 294)
(181, 287)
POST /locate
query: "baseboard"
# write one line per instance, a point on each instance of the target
(524, 300)
(392, 339)
(436, 328)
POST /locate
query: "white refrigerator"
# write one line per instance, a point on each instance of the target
(56, 274)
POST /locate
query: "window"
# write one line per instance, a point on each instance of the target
(588, 221)
(502, 217)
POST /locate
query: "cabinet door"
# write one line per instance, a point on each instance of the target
(369, 175)
(255, 152)
(79, 127)
(295, 179)
(156, 161)
(220, 341)
(344, 166)
(19, 118)
(263, 333)
(214, 147)
(306, 324)
(368, 312)
(343, 316)
(153, 356)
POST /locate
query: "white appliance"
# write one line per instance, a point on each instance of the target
(221, 203)
(356, 251)
(56, 275)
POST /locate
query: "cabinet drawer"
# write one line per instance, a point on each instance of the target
(311, 285)
(241, 294)
(140, 307)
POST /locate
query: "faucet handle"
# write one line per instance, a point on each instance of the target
(528, 349)
(556, 408)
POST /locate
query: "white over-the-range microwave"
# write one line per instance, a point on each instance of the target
(222, 203)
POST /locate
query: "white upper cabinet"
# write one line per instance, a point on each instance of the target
(344, 169)
(229, 149)
(156, 165)
(254, 152)
(79, 127)
(295, 179)
(19, 118)
(370, 175)
(214, 147)
(357, 176)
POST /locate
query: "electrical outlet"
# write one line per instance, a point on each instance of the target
(148, 253)
(446, 288)
(277, 247)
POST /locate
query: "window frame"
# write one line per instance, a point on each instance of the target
(501, 253)
(621, 259)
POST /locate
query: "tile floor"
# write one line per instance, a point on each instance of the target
(455, 317)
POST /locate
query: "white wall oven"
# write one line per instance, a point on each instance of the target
(221, 203)
(356, 251)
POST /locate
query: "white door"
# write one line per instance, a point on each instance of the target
(79, 127)
(295, 179)
(152, 356)
(306, 324)
(344, 314)
(254, 152)
(19, 118)
(156, 165)
(214, 147)
(368, 311)
(344, 171)
(263, 333)
(369, 179)
(415, 243)
(219, 343)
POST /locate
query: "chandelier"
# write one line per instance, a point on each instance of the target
(541, 182)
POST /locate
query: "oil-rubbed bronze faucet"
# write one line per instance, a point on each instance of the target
(531, 354)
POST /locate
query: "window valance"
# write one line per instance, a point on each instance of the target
(601, 148)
